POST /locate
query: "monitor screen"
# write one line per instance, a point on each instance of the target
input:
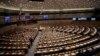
(27, 18)
(45, 17)
(93, 19)
(7, 19)
(82, 18)
(74, 19)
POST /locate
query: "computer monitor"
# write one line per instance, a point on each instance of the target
(74, 19)
(27, 18)
(45, 17)
(7, 19)
(93, 19)
(82, 18)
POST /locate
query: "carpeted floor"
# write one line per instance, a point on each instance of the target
(31, 51)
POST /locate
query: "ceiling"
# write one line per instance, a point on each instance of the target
(49, 5)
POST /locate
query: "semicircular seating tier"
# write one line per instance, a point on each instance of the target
(67, 40)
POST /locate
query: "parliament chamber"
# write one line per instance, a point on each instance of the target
(49, 28)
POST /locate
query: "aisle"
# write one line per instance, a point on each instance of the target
(31, 51)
